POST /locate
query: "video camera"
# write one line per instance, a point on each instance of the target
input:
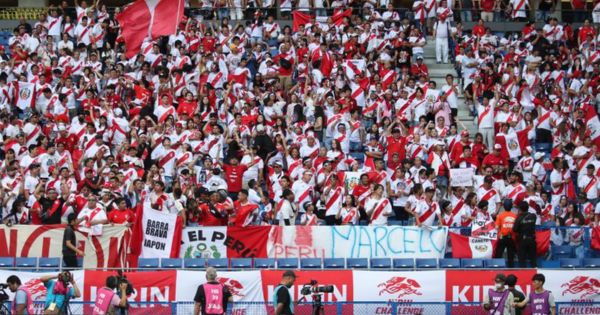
(123, 279)
(314, 288)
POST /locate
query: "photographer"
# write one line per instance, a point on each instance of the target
(106, 298)
(23, 303)
(211, 297)
(60, 291)
(282, 301)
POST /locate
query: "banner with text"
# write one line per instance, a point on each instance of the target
(158, 234)
(105, 251)
(357, 242)
(221, 242)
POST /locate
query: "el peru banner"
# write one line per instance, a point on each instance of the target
(105, 251)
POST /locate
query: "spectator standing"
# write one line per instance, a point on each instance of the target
(69, 248)
(504, 224)
(211, 297)
(525, 228)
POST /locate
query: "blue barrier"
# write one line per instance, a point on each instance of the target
(338, 308)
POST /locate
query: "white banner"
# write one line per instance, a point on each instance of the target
(461, 177)
(512, 145)
(158, 232)
(573, 286)
(484, 229)
(107, 250)
(205, 242)
(357, 241)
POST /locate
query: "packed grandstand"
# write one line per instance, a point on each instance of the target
(411, 156)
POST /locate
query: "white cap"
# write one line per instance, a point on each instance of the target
(538, 155)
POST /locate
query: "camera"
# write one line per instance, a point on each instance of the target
(123, 279)
(314, 288)
(65, 277)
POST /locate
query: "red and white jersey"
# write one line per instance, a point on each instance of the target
(378, 210)
(308, 219)
(559, 177)
(525, 166)
(162, 112)
(303, 192)
(589, 185)
(514, 192)
(166, 159)
(87, 216)
(32, 132)
(426, 211)
(334, 200)
(485, 116)
(12, 185)
(491, 196)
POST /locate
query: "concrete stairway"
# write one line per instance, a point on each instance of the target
(437, 73)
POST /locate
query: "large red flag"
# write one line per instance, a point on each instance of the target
(299, 18)
(338, 16)
(596, 238)
(542, 241)
(145, 18)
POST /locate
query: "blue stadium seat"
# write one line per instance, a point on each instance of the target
(148, 263)
(311, 263)
(287, 263)
(563, 251)
(449, 263)
(549, 264)
(472, 263)
(404, 263)
(240, 263)
(219, 263)
(171, 263)
(29, 263)
(357, 263)
(334, 263)
(194, 263)
(49, 263)
(591, 263)
(494, 263)
(381, 263)
(264, 263)
(570, 263)
(7, 262)
(426, 263)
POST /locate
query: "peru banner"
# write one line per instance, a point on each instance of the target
(148, 18)
(225, 242)
(105, 251)
(471, 247)
(357, 242)
(405, 287)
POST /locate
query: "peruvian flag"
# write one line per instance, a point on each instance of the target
(25, 94)
(145, 18)
(596, 238)
(592, 122)
(542, 242)
(513, 144)
(299, 18)
(471, 247)
(338, 16)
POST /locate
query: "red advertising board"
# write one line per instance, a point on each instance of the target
(343, 287)
(471, 285)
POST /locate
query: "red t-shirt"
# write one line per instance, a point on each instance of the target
(396, 146)
(121, 216)
(234, 176)
(187, 107)
(242, 212)
(487, 5)
(282, 70)
(478, 30)
(208, 219)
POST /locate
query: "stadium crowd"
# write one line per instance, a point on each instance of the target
(333, 121)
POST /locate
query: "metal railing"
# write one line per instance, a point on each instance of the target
(337, 308)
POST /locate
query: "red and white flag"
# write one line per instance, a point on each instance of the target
(471, 247)
(592, 122)
(513, 144)
(145, 18)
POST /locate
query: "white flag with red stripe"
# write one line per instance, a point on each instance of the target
(354, 67)
(471, 247)
(592, 122)
(145, 18)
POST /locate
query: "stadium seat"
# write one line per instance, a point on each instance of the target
(426, 263)
(449, 263)
(287, 263)
(357, 263)
(171, 263)
(381, 263)
(494, 263)
(549, 264)
(404, 263)
(264, 263)
(563, 251)
(7, 262)
(148, 263)
(311, 263)
(570, 263)
(28, 263)
(334, 263)
(240, 263)
(219, 263)
(49, 263)
(591, 263)
(194, 263)
(472, 263)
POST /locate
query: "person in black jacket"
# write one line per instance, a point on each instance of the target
(525, 228)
